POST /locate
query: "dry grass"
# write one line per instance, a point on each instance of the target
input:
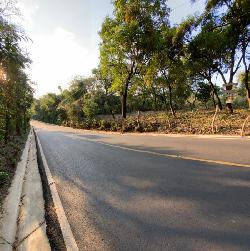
(196, 122)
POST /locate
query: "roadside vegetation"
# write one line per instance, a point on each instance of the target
(16, 93)
(172, 72)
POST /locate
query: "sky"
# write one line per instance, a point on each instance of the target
(64, 37)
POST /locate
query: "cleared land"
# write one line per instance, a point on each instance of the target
(196, 122)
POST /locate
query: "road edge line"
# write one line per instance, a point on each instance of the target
(219, 162)
(68, 236)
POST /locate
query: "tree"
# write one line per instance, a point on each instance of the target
(203, 93)
(242, 90)
(90, 107)
(127, 40)
(203, 55)
(104, 83)
(229, 19)
(16, 92)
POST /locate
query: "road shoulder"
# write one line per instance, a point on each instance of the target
(59, 230)
(23, 224)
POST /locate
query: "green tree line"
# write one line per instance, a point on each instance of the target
(16, 92)
(148, 64)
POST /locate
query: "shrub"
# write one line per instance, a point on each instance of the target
(4, 176)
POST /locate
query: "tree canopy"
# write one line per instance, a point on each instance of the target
(16, 92)
(147, 64)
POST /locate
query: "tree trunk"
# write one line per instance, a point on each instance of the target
(138, 118)
(164, 99)
(247, 70)
(124, 102)
(229, 104)
(191, 105)
(171, 100)
(155, 103)
(155, 99)
(216, 95)
(247, 87)
(230, 107)
(248, 97)
(213, 100)
(113, 115)
(110, 109)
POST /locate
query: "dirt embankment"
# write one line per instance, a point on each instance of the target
(185, 122)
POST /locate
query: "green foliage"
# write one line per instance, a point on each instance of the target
(16, 92)
(203, 92)
(242, 91)
(222, 45)
(148, 65)
(128, 40)
(85, 97)
(3, 177)
(90, 107)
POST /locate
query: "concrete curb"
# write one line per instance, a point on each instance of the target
(31, 227)
(23, 226)
(8, 225)
(68, 237)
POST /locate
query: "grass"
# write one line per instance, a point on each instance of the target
(185, 122)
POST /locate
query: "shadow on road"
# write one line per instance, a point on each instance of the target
(117, 199)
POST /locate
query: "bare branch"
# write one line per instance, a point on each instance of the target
(222, 75)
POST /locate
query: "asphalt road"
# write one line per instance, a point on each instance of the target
(120, 193)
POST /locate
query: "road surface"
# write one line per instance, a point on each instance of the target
(134, 192)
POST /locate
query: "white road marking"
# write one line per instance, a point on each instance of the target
(164, 154)
(68, 236)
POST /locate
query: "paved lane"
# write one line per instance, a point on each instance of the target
(116, 199)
